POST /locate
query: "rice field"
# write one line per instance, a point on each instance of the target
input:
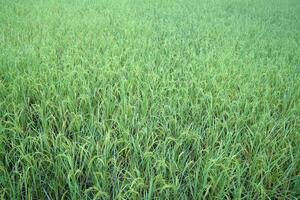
(137, 99)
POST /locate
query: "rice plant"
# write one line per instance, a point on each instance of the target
(136, 99)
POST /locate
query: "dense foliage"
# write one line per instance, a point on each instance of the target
(136, 99)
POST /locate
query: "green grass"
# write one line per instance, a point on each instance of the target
(136, 99)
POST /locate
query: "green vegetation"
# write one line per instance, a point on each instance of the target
(135, 99)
